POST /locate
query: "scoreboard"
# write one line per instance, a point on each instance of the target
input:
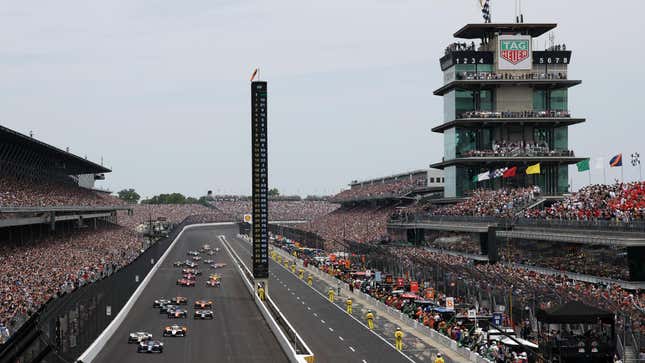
(260, 212)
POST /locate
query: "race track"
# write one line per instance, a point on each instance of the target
(330, 333)
(237, 334)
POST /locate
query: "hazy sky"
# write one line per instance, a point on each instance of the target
(160, 88)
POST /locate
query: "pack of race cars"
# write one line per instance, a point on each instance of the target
(172, 308)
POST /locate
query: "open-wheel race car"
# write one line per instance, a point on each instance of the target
(150, 346)
(192, 271)
(175, 331)
(177, 313)
(203, 304)
(179, 300)
(160, 302)
(218, 265)
(203, 314)
(214, 283)
(186, 282)
(138, 337)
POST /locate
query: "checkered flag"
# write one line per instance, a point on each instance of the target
(486, 10)
(498, 173)
(636, 159)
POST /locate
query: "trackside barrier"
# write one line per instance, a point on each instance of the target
(292, 344)
(441, 339)
(93, 350)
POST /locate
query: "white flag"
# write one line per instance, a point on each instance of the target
(483, 176)
(599, 163)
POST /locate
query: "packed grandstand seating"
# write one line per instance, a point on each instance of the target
(36, 271)
(360, 224)
(547, 290)
(24, 192)
(394, 188)
(279, 210)
(505, 202)
(620, 201)
(517, 148)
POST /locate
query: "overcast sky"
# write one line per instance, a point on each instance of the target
(160, 89)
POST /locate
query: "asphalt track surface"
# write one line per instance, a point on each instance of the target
(237, 334)
(328, 331)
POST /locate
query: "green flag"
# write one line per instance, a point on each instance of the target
(583, 165)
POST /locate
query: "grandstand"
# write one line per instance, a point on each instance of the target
(504, 109)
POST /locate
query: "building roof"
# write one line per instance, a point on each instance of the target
(73, 164)
(391, 177)
(480, 30)
(475, 84)
(483, 122)
(502, 160)
(574, 312)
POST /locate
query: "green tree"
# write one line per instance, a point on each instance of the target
(129, 196)
(274, 192)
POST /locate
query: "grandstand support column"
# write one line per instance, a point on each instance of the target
(52, 221)
(489, 241)
(636, 263)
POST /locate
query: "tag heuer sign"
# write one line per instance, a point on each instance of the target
(514, 52)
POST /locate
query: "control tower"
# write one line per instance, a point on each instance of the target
(505, 109)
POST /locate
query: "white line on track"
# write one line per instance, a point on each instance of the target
(331, 330)
(341, 338)
(308, 308)
(316, 314)
(352, 349)
(322, 321)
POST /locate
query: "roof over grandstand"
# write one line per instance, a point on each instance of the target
(72, 164)
(397, 176)
(574, 312)
(479, 30)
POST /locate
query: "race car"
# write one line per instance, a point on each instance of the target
(164, 309)
(193, 271)
(203, 314)
(150, 346)
(159, 302)
(206, 247)
(203, 304)
(138, 337)
(196, 258)
(177, 263)
(190, 264)
(193, 253)
(190, 277)
(210, 253)
(218, 265)
(209, 261)
(177, 313)
(186, 282)
(175, 331)
(214, 277)
(214, 283)
(179, 300)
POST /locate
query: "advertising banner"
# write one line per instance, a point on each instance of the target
(514, 52)
(450, 303)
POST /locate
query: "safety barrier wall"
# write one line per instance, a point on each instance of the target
(404, 319)
(292, 344)
(90, 354)
(67, 325)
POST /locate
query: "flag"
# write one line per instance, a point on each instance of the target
(533, 169)
(255, 73)
(498, 173)
(583, 165)
(510, 172)
(485, 10)
(599, 163)
(616, 161)
(483, 176)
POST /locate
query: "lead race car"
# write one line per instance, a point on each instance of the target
(175, 331)
(150, 346)
(203, 314)
(138, 337)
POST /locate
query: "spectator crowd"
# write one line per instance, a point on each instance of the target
(504, 148)
(279, 210)
(394, 188)
(16, 192)
(505, 202)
